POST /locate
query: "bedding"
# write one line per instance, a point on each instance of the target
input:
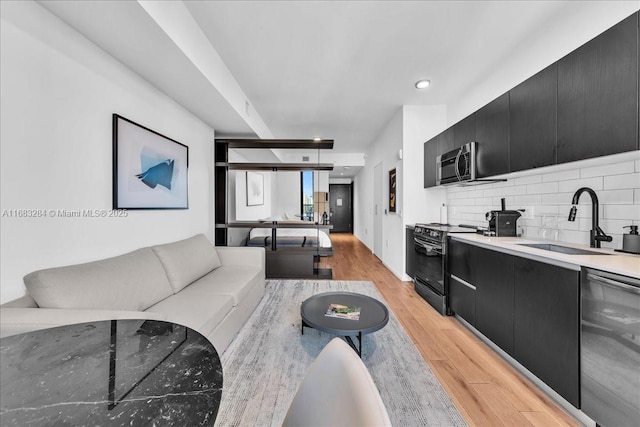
(291, 237)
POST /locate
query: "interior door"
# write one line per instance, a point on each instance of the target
(377, 209)
(340, 207)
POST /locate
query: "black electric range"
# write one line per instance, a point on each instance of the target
(430, 257)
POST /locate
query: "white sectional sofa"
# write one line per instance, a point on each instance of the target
(210, 289)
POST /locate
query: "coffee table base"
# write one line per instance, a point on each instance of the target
(347, 338)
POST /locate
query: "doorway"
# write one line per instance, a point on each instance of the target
(378, 179)
(341, 207)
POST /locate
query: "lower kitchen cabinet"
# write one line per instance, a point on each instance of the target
(494, 297)
(546, 325)
(462, 299)
(529, 309)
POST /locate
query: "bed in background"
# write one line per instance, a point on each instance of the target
(298, 247)
(290, 237)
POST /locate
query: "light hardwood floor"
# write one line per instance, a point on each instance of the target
(485, 388)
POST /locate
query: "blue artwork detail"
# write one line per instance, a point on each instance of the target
(160, 174)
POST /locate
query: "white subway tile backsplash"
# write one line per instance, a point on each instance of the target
(619, 197)
(557, 199)
(561, 176)
(527, 199)
(532, 179)
(607, 170)
(571, 236)
(630, 212)
(614, 226)
(594, 183)
(630, 180)
(548, 210)
(547, 187)
(549, 194)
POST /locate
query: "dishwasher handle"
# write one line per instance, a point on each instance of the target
(614, 283)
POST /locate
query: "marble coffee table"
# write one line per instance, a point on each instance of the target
(118, 372)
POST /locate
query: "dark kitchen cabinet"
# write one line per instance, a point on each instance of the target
(461, 277)
(445, 141)
(430, 154)
(464, 131)
(410, 262)
(598, 95)
(546, 325)
(494, 297)
(492, 135)
(462, 300)
(461, 262)
(532, 121)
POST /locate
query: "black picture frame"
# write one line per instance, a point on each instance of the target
(150, 170)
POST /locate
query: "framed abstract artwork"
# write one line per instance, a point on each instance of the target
(392, 190)
(150, 170)
(255, 189)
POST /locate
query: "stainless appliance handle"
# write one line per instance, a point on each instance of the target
(427, 246)
(459, 280)
(614, 283)
(456, 165)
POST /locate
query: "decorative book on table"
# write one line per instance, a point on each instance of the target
(341, 311)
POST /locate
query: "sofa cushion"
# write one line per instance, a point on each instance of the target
(187, 260)
(133, 281)
(233, 281)
(196, 308)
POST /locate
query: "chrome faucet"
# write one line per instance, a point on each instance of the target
(597, 235)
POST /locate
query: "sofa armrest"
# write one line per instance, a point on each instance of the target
(241, 256)
(15, 320)
(23, 302)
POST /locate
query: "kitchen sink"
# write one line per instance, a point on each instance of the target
(561, 249)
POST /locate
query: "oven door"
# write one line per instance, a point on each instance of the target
(429, 264)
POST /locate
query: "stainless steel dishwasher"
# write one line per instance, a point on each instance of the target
(610, 349)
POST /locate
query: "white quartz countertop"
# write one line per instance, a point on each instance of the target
(614, 262)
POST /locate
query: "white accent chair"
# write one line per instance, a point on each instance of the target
(337, 391)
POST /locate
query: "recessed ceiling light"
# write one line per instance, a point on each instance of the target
(346, 167)
(422, 84)
(341, 173)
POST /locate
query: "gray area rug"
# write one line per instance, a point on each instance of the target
(267, 361)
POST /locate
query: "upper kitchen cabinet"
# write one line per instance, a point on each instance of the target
(598, 95)
(430, 154)
(464, 131)
(445, 141)
(492, 135)
(532, 121)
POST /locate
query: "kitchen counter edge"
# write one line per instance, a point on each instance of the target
(613, 262)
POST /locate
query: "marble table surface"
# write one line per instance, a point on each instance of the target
(119, 372)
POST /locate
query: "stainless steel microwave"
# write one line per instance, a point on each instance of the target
(458, 165)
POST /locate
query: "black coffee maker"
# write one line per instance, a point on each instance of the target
(502, 223)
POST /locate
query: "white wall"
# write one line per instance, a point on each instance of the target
(384, 149)
(420, 123)
(58, 94)
(255, 212)
(546, 194)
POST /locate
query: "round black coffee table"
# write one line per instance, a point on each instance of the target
(373, 316)
(117, 372)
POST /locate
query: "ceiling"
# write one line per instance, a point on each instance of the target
(335, 69)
